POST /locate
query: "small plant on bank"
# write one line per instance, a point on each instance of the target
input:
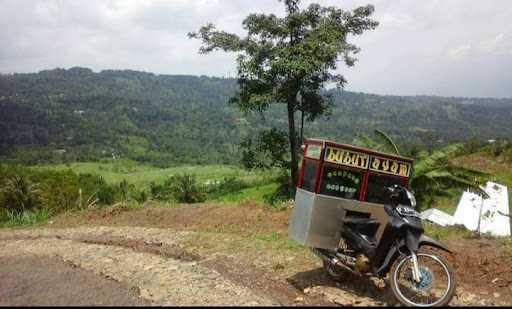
(27, 217)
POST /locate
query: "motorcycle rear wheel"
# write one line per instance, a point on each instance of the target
(335, 272)
(429, 292)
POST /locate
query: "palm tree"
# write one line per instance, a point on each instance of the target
(20, 194)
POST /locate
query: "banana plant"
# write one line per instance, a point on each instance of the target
(433, 174)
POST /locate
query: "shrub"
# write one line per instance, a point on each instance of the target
(123, 189)
(19, 194)
(283, 191)
(185, 189)
(229, 184)
(160, 191)
(96, 185)
(107, 195)
(140, 196)
(23, 189)
(59, 190)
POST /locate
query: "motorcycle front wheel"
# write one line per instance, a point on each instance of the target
(435, 288)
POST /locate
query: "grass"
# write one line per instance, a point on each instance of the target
(256, 194)
(26, 218)
(141, 175)
(439, 232)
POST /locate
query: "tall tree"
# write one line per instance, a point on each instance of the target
(283, 58)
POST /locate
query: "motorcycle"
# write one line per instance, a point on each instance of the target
(417, 277)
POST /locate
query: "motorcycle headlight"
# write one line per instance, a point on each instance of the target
(412, 199)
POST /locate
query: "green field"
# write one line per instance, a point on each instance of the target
(258, 183)
(141, 175)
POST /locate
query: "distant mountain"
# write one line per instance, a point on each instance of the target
(76, 114)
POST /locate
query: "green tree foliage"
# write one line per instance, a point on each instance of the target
(268, 150)
(78, 115)
(281, 59)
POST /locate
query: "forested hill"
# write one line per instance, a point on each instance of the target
(77, 114)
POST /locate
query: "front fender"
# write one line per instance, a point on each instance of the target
(427, 241)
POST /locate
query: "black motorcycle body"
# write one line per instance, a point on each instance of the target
(403, 237)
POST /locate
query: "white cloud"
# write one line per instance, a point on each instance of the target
(461, 51)
(417, 49)
(500, 44)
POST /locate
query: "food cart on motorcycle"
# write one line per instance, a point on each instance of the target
(353, 209)
(338, 181)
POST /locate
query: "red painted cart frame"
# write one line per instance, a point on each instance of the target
(319, 157)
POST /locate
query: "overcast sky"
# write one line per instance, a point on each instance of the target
(434, 47)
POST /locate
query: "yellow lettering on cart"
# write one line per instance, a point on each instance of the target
(355, 159)
(346, 157)
(390, 166)
(332, 155)
(339, 156)
(385, 165)
(364, 160)
(394, 167)
(376, 163)
(404, 170)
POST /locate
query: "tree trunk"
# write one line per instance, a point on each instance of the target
(302, 126)
(293, 145)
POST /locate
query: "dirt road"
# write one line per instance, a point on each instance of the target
(212, 262)
(158, 279)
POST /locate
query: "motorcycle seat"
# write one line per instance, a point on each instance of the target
(360, 221)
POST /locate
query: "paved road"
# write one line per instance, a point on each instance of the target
(59, 267)
(33, 280)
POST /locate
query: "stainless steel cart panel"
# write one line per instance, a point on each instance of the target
(317, 220)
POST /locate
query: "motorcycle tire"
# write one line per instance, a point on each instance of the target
(446, 298)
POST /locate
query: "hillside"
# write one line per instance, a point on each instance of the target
(77, 114)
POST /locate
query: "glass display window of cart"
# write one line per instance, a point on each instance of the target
(311, 164)
(341, 181)
(376, 188)
(384, 173)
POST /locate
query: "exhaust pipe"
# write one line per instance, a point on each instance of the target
(338, 260)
